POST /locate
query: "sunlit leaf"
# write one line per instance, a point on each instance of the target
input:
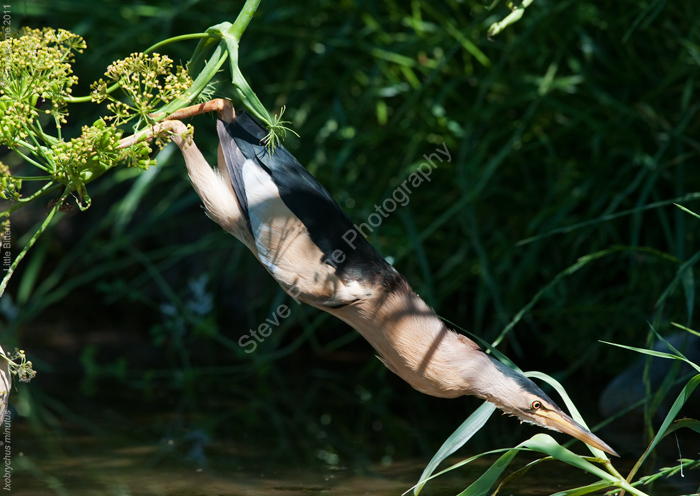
(655, 353)
(544, 443)
(458, 438)
(664, 429)
(484, 483)
(691, 331)
(687, 211)
(578, 491)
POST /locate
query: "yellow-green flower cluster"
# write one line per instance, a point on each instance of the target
(23, 370)
(34, 67)
(9, 186)
(82, 159)
(147, 81)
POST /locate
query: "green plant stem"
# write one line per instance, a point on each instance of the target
(33, 178)
(47, 188)
(88, 98)
(151, 49)
(581, 262)
(625, 486)
(608, 217)
(39, 151)
(207, 73)
(37, 130)
(228, 47)
(175, 39)
(243, 19)
(27, 247)
(26, 157)
(613, 471)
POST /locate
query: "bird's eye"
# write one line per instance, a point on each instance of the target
(536, 405)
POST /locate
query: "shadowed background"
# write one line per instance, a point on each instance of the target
(581, 111)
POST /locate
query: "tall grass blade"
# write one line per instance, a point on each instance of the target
(544, 443)
(578, 491)
(514, 476)
(484, 483)
(688, 211)
(659, 354)
(687, 265)
(458, 438)
(664, 429)
(561, 275)
(687, 329)
(609, 217)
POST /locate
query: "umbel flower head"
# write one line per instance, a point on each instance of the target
(35, 66)
(148, 82)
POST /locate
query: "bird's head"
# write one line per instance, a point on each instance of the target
(517, 395)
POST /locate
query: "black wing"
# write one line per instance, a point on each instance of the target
(327, 224)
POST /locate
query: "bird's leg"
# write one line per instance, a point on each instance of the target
(212, 185)
(223, 107)
(197, 165)
(173, 125)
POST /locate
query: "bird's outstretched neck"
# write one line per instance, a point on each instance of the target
(413, 342)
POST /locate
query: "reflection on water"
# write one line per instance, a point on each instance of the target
(135, 471)
(122, 461)
(126, 464)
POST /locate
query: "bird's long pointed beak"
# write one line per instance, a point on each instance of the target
(561, 422)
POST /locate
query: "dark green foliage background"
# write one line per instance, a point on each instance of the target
(581, 110)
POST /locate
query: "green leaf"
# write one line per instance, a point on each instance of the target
(664, 429)
(688, 423)
(544, 443)
(687, 329)
(578, 491)
(484, 483)
(655, 353)
(458, 438)
(687, 211)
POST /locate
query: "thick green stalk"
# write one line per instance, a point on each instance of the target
(39, 232)
(243, 19)
(212, 66)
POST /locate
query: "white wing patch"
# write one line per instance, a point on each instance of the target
(285, 248)
(265, 211)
